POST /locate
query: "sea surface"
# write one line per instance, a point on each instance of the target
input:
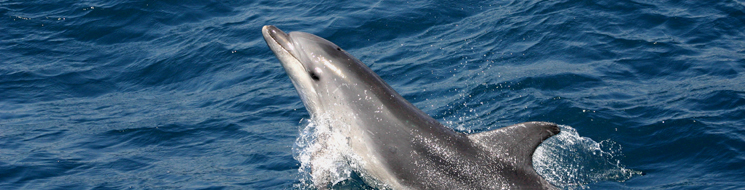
(142, 94)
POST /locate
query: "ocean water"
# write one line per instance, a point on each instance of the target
(139, 94)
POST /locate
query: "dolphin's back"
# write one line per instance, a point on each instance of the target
(516, 142)
(497, 159)
(515, 145)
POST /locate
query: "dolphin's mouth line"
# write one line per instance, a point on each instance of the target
(274, 39)
(284, 48)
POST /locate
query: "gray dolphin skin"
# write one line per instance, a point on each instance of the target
(400, 146)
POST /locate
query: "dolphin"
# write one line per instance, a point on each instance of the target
(400, 146)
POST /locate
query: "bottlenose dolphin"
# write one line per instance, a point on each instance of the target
(400, 146)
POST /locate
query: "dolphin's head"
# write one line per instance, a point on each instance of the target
(346, 97)
(317, 67)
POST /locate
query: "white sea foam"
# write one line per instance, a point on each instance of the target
(571, 161)
(325, 157)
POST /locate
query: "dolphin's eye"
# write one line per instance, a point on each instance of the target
(338, 49)
(314, 76)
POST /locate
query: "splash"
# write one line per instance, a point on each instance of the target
(328, 163)
(570, 161)
(326, 160)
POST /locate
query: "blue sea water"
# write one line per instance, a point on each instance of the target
(140, 94)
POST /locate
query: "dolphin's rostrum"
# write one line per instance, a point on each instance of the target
(402, 147)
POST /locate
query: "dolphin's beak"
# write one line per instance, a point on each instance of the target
(274, 34)
(281, 44)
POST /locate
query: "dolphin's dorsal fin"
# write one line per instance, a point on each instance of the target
(516, 142)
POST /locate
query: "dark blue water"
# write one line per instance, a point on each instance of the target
(186, 95)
